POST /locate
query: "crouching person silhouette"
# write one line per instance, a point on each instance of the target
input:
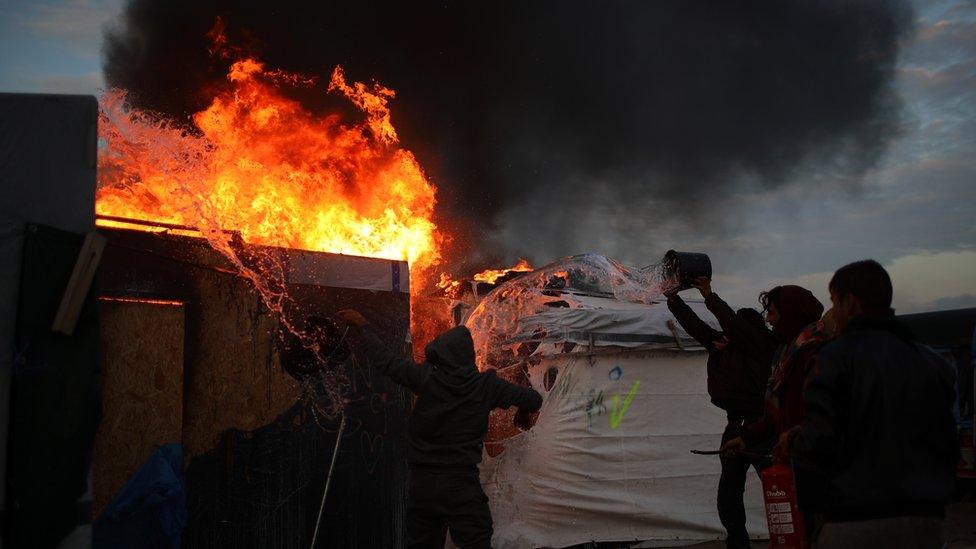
(446, 432)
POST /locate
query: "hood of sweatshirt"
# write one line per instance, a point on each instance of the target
(452, 356)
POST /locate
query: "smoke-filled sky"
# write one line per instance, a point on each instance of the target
(784, 139)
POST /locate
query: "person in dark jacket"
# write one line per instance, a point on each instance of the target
(878, 423)
(739, 358)
(446, 432)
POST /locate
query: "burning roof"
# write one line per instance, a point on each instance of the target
(589, 294)
(260, 166)
(259, 163)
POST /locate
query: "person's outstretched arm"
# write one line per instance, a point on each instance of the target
(696, 327)
(377, 356)
(505, 395)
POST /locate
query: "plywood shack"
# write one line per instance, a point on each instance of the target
(235, 380)
(256, 450)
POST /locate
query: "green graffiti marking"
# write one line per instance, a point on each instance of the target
(618, 412)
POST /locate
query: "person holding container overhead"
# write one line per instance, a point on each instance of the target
(739, 358)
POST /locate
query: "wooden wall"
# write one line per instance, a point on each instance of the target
(255, 449)
(141, 348)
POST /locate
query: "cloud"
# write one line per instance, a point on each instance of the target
(914, 212)
(37, 80)
(938, 76)
(919, 199)
(963, 301)
(911, 206)
(87, 83)
(77, 23)
(560, 193)
(922, 282)
(562, 106)
(941, 43)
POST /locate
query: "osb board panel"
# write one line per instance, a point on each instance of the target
(233, 376)
(141, 347)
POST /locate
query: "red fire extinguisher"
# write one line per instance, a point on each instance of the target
(786, 527)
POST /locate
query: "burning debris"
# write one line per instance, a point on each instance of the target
(531, 315)
(463, 295)
(258, 166)
(249, 207)
(250, 185)
(481, 283)
(489, 98)
(502, 324)
(497, 276)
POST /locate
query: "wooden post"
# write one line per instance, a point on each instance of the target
(79, 283)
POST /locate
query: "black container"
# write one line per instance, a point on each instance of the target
(682, 268)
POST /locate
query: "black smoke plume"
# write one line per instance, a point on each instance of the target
(564, 104)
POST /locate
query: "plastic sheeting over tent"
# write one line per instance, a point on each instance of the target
(625, 401)
(532, 308)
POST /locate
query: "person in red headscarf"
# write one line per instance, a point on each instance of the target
(794, 313)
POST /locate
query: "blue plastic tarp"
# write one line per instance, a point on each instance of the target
(150, 510)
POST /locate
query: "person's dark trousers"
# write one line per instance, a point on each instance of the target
(732, 483)
(441, 500)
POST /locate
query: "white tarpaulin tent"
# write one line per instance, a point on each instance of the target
(624, 403)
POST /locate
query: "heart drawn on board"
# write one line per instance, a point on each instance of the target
(372, 445)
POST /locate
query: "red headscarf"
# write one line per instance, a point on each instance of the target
(797, 308)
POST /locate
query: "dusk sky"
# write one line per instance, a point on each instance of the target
(914, 211)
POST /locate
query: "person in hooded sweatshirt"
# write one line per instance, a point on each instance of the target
(739, 359)
(446, 432)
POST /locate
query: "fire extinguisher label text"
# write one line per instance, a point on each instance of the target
(781, 518)
(781, 528)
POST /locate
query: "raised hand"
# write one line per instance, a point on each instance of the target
(704, 285)
(721, 343)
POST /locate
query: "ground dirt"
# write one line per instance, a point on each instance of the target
(960, 529)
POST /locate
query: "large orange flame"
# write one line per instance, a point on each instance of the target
(261, 164)
(491, 275)
(450, 286)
